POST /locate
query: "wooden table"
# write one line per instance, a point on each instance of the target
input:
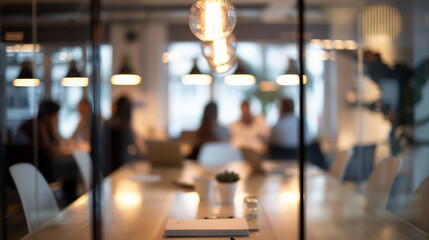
(139, 210)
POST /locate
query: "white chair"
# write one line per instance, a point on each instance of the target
(338, 167)
(215, 155)
(381, 179)
(417, 210)
(37, 200)
(83, 162)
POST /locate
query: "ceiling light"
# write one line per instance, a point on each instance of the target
(240, 78)
(74, 78)
(291, 77)
(25, 77)
(195, 77)
(125, 75)
(212, 19)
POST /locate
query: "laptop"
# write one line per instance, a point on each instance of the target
(164, 153)
(253, 159)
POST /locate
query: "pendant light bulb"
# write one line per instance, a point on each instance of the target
(212, 19)
(220, 52)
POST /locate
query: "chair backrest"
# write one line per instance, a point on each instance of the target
(218, 154)
(361, 163)
(417, 210)
(314, 155)
(338, 167)
(84, 163)
(380, 181)
(37, 200)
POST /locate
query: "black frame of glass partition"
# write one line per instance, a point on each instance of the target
(301, 152)
(3, 173)
(95, 33)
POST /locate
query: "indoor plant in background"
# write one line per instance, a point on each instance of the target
(227, 185)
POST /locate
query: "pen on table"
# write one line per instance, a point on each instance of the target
(218, 217)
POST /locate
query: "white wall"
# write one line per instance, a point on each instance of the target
(150, 96)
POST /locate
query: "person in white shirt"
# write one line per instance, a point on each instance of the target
(250, 131)
(285, 132)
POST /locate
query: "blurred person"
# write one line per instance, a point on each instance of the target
(209, 130)
(285, 132)
(48, 140)
(118, 137)
(83, 129)
(250, 131)
(49, 149)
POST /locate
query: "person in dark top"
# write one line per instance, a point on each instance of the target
(118, 137)
(48, 140)
(210, 130)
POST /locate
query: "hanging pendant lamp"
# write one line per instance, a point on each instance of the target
(74, 78)
(195, 77)
(125, 76)
(220, 54)
(291, 77)
(240, 77)
(212, 19)
(25, 77)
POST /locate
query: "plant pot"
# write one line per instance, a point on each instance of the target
(227, 192)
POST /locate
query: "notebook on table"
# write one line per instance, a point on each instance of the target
(206, 228)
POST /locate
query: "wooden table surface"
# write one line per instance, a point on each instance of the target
(139, 210)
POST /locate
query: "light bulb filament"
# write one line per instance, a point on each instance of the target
(220, 52)
(213, 19)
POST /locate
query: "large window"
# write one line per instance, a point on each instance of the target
(263, 60)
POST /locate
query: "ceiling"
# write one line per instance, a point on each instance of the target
(268, 11)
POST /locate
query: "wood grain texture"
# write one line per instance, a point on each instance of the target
(140, 210)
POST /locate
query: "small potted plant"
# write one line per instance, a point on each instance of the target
(227, 185)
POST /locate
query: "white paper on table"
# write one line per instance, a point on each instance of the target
(146, 178)
(206, 227)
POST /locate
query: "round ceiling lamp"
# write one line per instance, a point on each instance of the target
(220, 54)
(212, 19)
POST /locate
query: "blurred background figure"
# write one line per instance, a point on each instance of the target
(119, 144)
(250, 131)
(48, 140)
(55, 164)
(209, 130)
(285, 132)
(83, 129)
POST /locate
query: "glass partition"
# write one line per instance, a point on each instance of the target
(46, 113)
(374, 126)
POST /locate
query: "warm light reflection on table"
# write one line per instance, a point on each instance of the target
(140, 210)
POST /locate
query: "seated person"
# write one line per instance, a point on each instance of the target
(210, 130)
(250, 131)
(284, 135)
(48, 140)
(83, 129)
(118, 137)
(48, 144)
